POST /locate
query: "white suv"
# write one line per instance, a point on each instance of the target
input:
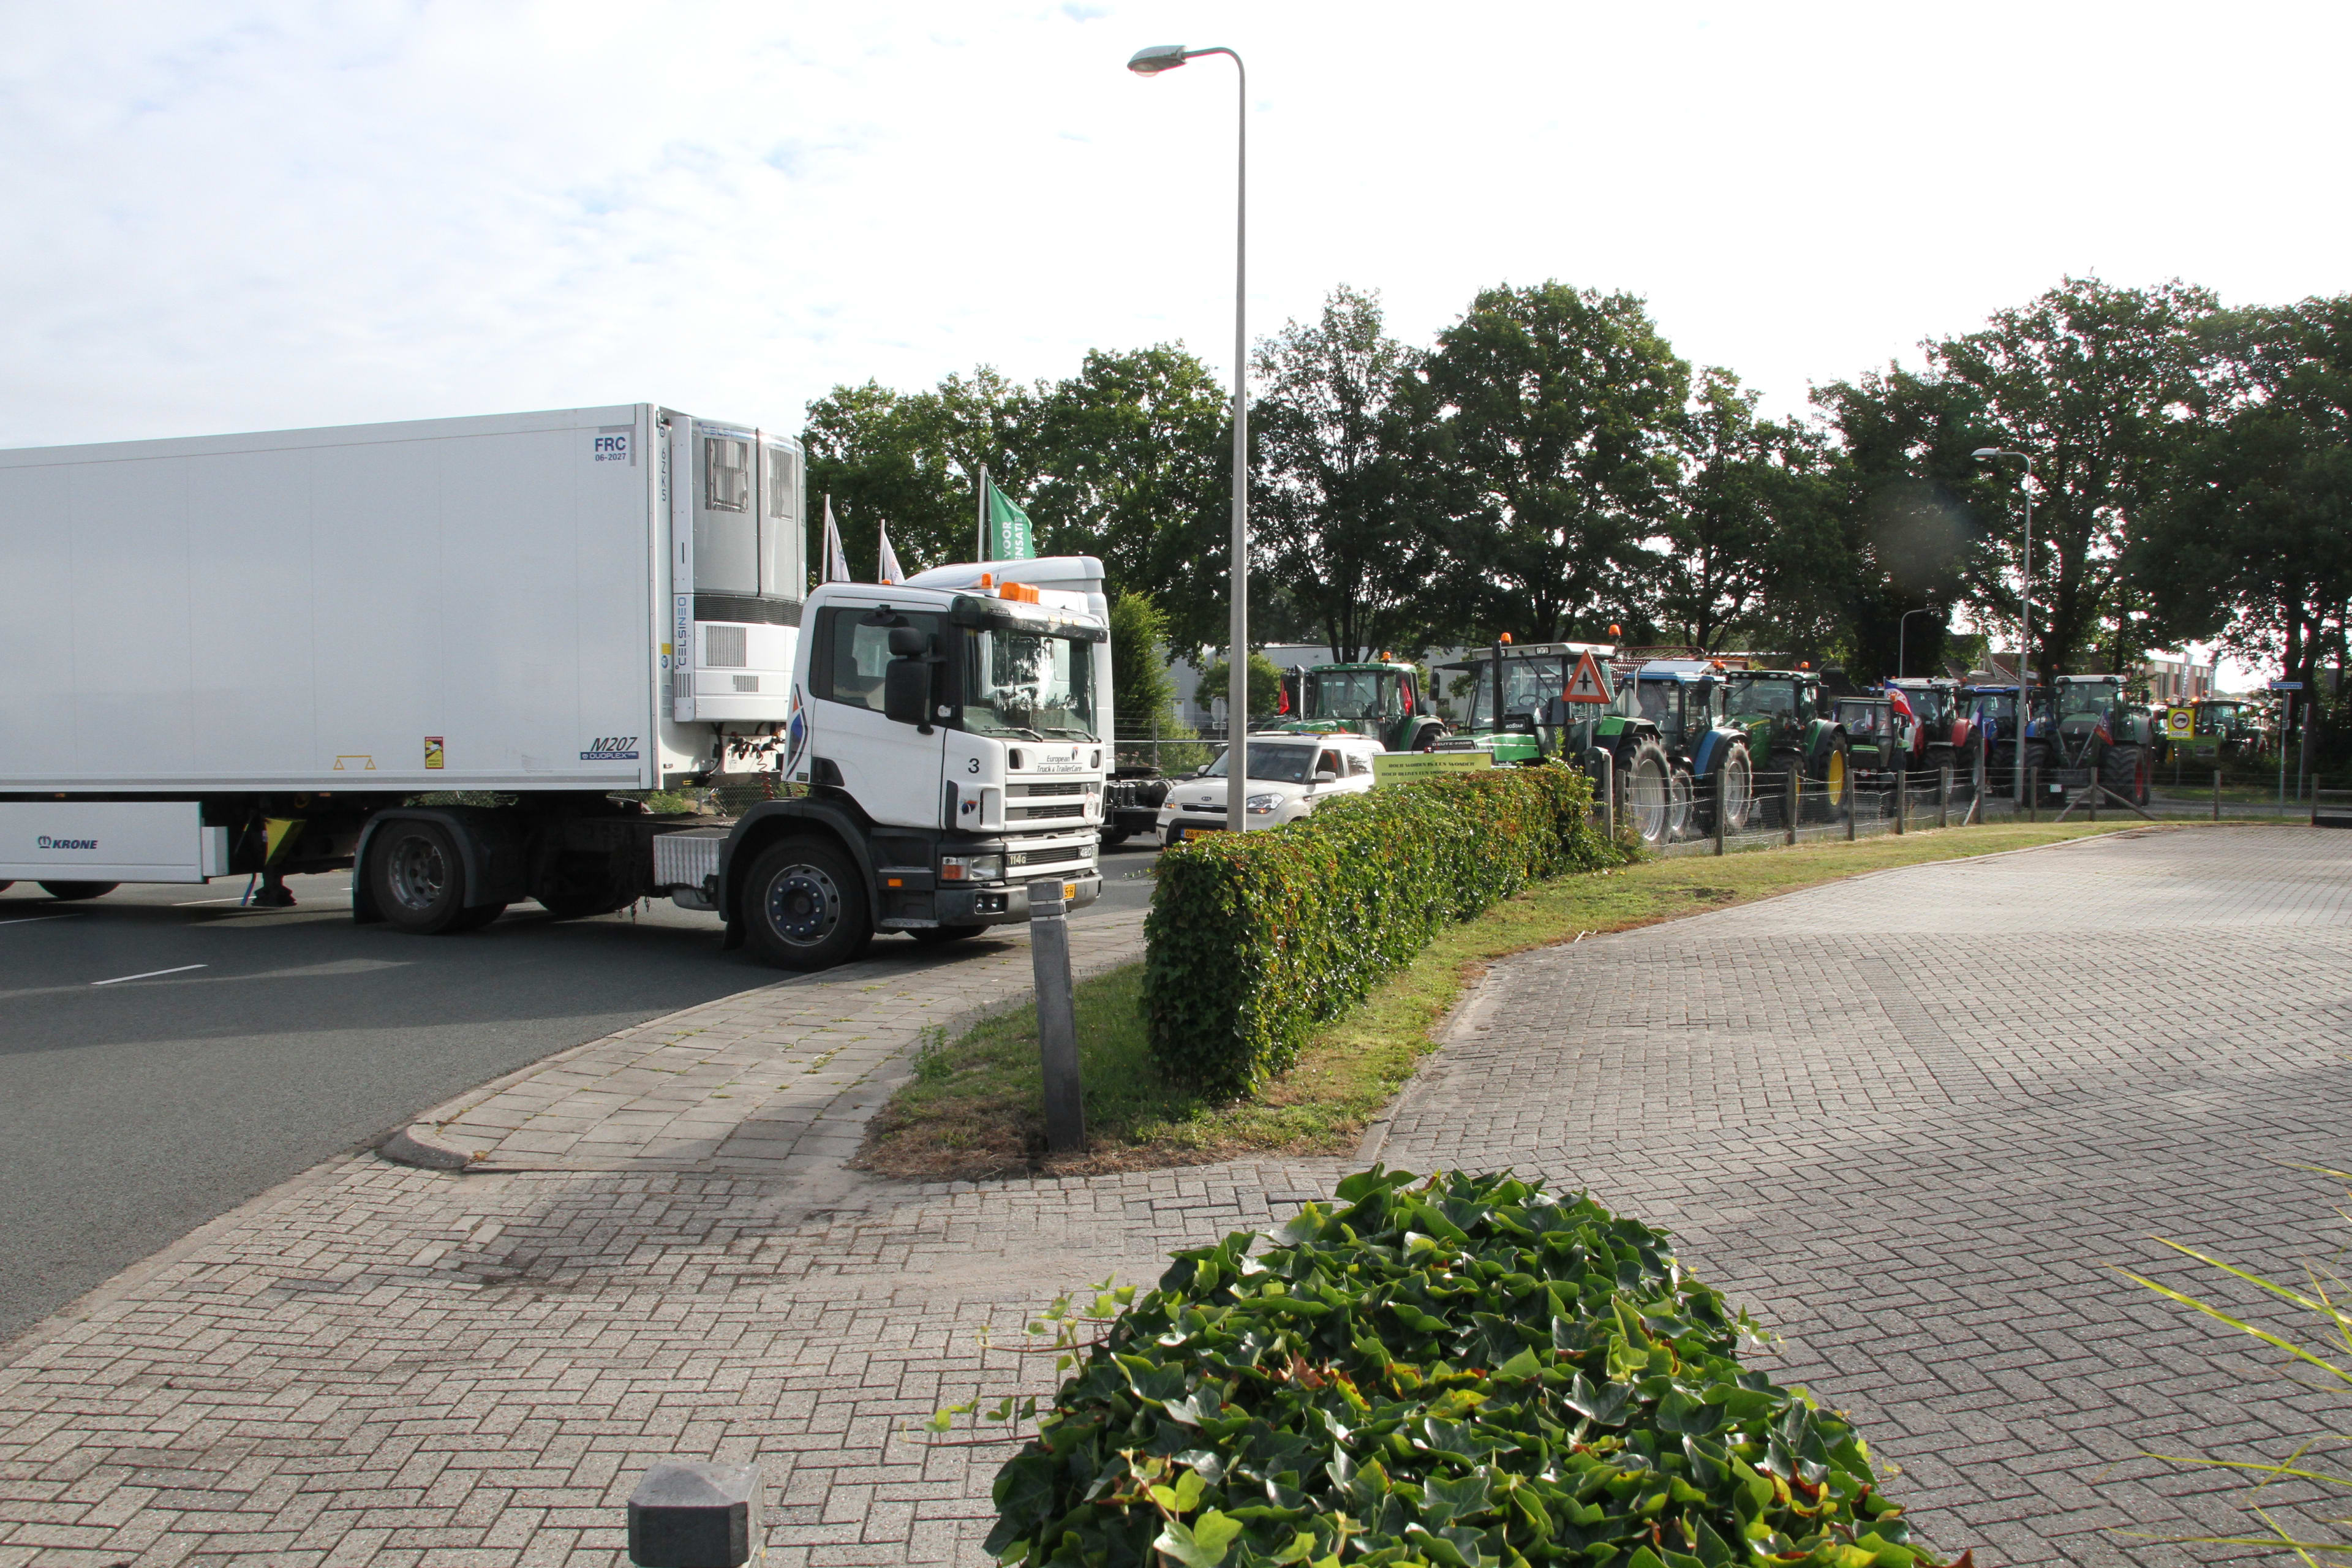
(1289, 775)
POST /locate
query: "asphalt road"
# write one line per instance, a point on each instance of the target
(165, 1054)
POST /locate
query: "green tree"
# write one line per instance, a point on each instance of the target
(1134, 463)
(2253, 537)
(911, 460)
(1339, 507)
(1752, 540)
(2104, 386)
(1556, 410)
(1265, 683)
(1143, 693)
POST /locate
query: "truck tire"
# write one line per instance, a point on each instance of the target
(1646, 792)
(1111, 840)
(72, 892)
(807, 906)
(579, 906)
(417, 880)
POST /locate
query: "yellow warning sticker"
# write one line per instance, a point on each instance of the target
(432, 751)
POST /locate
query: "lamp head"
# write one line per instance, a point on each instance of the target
(1990, 452)
(1156, 57)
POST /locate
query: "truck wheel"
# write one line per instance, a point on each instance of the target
(418, 880)
(1113, 840)
(807, 906)
(474, 919)
(71, 892)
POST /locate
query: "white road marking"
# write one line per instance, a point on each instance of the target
(36, 919)
(151, 975)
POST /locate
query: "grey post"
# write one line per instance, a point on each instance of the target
(1848, 801)
(1058, 1019)
(1902, 799)
(1944, 796)
(2217, 795)
(1722, 801)
(690, 1515)
(1793, 802)
(1608, 784)
(2032, 777)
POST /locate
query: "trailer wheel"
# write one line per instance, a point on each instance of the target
(71, 892)
(418, 880)
(807, 906)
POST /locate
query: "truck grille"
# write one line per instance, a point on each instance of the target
(1033, 791)
(1037, 813)
(1054, 857)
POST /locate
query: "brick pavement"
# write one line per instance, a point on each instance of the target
(383, 1365)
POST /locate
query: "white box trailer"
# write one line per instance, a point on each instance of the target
(249, 649)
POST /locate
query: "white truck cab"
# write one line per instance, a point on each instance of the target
(952, 732)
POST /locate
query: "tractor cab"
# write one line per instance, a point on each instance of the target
(1381, 699)
(1513, 698)
(1789, 721)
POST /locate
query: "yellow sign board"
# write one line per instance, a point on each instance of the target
(2180, 722)
(1405, 767)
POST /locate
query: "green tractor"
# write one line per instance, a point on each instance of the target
(1684, 700)
(2100, 736)
(1381, 699)
(1517, 712)
(1791, 722)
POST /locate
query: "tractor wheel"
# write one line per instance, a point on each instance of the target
(2124, 769)
(1679, 797)
(1646, 792)
(1772, 805)
(1738, 791)
(1833, 780)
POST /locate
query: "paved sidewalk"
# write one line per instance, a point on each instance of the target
(775, 1082)
(390, 1366)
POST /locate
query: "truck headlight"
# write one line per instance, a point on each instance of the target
(971, 867)
(1261, 805)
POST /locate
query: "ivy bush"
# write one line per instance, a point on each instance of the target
(1254, 939)
(1460, 1372)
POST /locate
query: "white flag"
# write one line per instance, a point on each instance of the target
(889, 571)
(836, 562)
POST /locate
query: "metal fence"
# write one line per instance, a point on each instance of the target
(1786, 808)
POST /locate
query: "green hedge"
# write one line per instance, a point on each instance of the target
(1462, 1372)
(1254, 939)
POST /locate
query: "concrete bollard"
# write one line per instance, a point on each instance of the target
(1944, 796)
(687, 1515)
(1793, 801)
(1057, 1018)
(1722, 805)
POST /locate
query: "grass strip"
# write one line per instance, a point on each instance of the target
(973, 1108)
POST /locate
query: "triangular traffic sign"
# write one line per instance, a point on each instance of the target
(1586, 685)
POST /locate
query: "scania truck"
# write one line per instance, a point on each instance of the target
(446, 654)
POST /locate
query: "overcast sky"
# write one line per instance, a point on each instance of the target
(234, 217)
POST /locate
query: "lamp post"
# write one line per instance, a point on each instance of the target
(1152, 61)
(1902, 631)
(2024, 614)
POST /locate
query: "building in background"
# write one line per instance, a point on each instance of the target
(2175, 679)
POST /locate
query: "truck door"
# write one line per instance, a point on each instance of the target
(892, 770)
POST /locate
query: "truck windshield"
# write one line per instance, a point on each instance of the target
(1275, 764)
(1027, 684)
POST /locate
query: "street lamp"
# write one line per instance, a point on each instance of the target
(1152, 61)
(1902, 629)
(2025, 612)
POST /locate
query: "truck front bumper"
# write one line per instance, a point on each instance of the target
(1005, 902)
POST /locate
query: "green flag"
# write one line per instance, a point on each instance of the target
(1009, 535)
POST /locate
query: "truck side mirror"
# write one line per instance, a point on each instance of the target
(907, 687)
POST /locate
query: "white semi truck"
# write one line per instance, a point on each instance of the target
(446, 653)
